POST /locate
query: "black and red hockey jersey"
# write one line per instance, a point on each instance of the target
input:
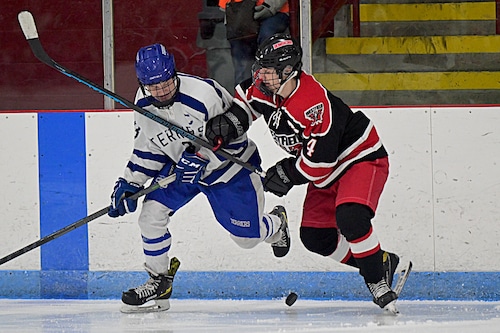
(315, 126)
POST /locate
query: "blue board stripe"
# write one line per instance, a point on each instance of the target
(63, 193)
(347, 286)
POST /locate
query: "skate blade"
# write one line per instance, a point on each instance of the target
(148, 307)
(391, 308)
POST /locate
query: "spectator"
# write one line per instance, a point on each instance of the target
(262, 18)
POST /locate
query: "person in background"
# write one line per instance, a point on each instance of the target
(235, 194)
(272, 17)
(334, 150)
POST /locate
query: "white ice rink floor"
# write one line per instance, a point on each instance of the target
(51, 316)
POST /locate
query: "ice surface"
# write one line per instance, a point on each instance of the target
(235, 316)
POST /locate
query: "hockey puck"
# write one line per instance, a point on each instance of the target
(291, 298)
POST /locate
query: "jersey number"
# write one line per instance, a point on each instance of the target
(310, 147)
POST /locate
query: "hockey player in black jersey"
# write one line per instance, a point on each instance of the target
(335, 151)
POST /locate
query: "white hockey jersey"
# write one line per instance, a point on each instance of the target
(156, 146)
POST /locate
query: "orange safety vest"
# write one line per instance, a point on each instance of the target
(284, 9)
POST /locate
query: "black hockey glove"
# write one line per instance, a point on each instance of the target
(221, 129)
(281, 177)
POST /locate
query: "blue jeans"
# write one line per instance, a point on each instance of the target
(243, 50)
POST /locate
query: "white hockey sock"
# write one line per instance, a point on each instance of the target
(270, 226)
(342, 251)
(158, 265)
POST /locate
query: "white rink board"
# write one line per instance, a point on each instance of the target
(439, 207)
(19, 200)
(466, 180)
(114, 244)
(404, 217)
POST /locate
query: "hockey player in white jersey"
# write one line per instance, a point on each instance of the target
(235, 194)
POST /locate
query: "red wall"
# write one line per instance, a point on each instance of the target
(71, 32)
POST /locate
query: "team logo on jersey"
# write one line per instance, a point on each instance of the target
(315, 114)
(289, 142)
(275, 118)
(137, 130)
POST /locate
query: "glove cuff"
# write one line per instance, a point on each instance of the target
(134, 184)
(291, 171)
(239, 119)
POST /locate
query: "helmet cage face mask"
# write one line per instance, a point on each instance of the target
(280, 52)
(155, 65)
(161, 90)
(268, 80)
(258, 81)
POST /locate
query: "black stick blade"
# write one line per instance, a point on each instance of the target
(28, 26)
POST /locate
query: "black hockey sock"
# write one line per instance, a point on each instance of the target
(351, 261)
(371, 267)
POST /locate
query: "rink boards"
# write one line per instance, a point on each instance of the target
(439, 209)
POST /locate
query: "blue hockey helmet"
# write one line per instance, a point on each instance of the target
(154, 64)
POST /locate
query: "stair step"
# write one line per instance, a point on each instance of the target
(432, 28)
(410, 81)
(383, 63)
(414, 53)
(418, 97)
(468, 11)
(413, 45)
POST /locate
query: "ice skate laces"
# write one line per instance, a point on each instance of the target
(283, 241)
(149, 288)
(379, 289)
(282, 245)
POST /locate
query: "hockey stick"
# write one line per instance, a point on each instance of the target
(28, 26)
(161, 183)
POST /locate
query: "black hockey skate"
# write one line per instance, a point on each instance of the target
(158, 288)
(391, 262)
(282, 246)
(383, 295)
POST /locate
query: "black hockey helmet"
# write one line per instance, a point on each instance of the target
(281, 52)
